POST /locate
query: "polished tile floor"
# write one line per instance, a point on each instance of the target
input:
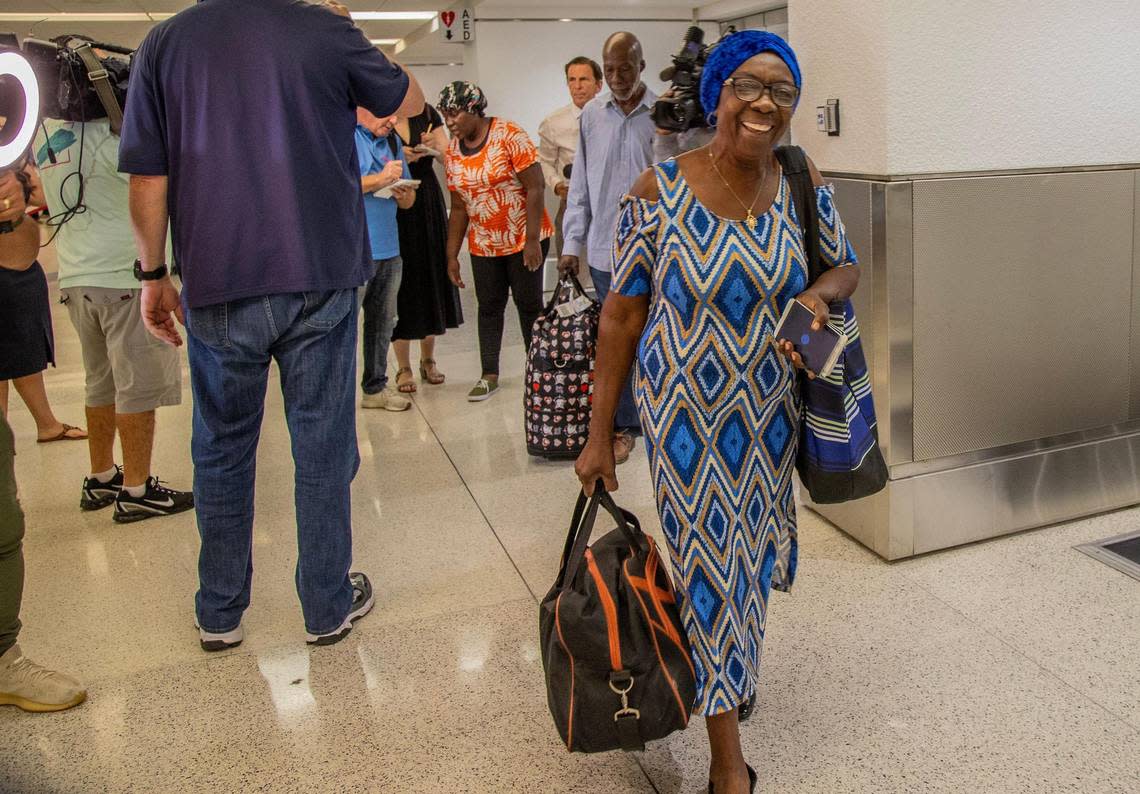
(1010, 666)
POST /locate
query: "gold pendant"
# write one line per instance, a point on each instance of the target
(751, 220)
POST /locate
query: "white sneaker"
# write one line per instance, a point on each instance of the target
(25, 684)
(388, 400)
(214, 641)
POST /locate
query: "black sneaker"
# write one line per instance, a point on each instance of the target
(157, 501)
(362, 601)
(97, 494)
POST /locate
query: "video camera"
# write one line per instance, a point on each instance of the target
(76, 82)
(682, 111)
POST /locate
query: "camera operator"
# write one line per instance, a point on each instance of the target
(23, 683)
(558, 134)
(670, 143)
(681, 122)
(129, 373)
(615, 144)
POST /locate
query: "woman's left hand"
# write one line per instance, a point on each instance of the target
(818, 305)
(532, 255)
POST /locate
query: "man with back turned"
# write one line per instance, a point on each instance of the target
(243, 109)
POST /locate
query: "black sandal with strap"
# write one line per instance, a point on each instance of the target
(751, 781)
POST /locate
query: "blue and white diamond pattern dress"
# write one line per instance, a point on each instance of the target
(718, 409)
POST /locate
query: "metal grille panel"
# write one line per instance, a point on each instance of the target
(1022, 307)
(853, 198)
(1135, 412)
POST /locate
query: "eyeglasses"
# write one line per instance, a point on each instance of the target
(749, 90)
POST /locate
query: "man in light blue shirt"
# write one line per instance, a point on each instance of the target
(615, 144)
(380, 156)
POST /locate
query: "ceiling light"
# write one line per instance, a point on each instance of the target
(84, 17)
(384, 42)
(154, 16)
(394, 16)
(564, 19)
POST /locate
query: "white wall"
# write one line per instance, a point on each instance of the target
(970, 85)
(432, 79)
(841, 48)
(519, 64)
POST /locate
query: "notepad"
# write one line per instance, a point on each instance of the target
(386, 192)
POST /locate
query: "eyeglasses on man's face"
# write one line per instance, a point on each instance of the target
(748, 89)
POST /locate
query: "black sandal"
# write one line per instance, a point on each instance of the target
(751, 781)
(746, 709)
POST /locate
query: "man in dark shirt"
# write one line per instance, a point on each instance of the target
(239, 127)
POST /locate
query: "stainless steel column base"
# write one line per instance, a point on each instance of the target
(940, 509)
(1000, 316)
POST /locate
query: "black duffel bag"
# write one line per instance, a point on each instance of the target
(618, 671)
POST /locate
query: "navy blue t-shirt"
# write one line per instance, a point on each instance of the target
(249, 108)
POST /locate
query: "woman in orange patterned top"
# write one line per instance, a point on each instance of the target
(497, 191)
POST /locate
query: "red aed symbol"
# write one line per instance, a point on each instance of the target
(448, 18)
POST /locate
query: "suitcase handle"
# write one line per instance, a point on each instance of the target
(567, 282)
(582, 527)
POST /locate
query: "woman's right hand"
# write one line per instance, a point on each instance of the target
(453, 272)
(596, 462)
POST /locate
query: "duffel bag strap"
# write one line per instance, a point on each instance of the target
(627, 522)
(585, 513)
(626, 719)
(568, 286)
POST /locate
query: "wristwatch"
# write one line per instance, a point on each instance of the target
(149, 275)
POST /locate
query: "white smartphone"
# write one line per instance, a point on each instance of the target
(819, 349)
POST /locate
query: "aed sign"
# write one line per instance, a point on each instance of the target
(458, 26)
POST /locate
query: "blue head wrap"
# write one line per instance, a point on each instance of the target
(733, 50)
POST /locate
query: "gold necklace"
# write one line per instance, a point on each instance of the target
(749, 219)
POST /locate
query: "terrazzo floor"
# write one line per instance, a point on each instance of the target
(1009, 666)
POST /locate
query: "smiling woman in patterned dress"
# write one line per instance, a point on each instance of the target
(707, 255)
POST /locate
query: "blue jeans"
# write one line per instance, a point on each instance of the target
(379, 320)
(625, 418)
(312, 337)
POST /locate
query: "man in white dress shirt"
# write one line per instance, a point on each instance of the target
(558, 133)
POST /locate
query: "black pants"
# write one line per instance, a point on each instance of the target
(496, 277)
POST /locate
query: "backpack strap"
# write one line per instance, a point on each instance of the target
(794, 162)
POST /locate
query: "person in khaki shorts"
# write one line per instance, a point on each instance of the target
(129, 373)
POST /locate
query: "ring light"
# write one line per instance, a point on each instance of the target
(15, 64)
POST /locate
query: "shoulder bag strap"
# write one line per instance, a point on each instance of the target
(794, 162)
(101, 81)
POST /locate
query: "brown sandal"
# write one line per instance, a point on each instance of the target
(408, 386)
(63, 435)
(435, 379)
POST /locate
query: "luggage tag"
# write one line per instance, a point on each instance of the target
(576, 306)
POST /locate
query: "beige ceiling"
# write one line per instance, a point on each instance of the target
(425, 46)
